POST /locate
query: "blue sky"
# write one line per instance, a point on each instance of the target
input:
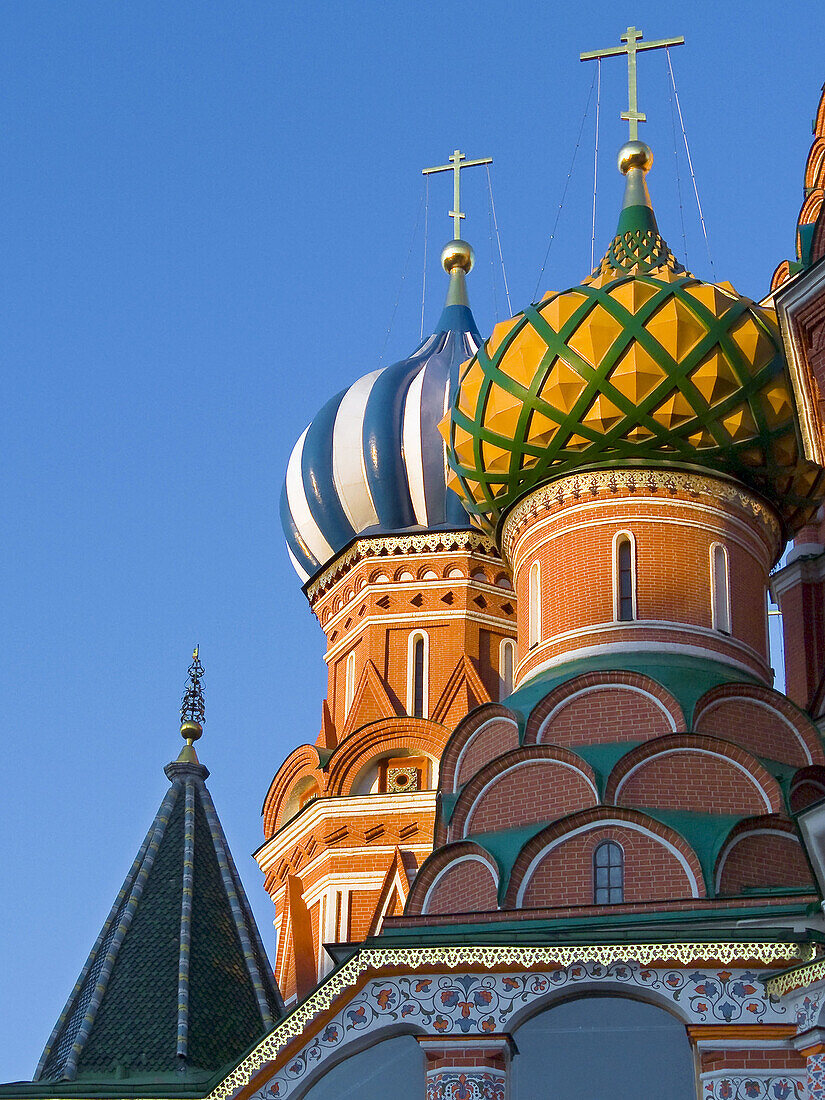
(205, 215)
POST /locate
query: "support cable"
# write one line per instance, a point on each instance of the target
(678, 175)
(492, 252)
(596, 162)
(426, 223)
(690, 162)
(566, 185)
(403, 278)
(498, 239)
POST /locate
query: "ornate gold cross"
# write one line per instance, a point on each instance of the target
(459, 161)
(633, 44)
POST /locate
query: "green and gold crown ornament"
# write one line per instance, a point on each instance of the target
(192, 710)
(641, 364)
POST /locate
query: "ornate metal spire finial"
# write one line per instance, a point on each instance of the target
(633, 44)
(458, 161)
(192, 710)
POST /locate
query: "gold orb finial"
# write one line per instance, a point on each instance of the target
(457, 254)
(191, 731)
(635, 154)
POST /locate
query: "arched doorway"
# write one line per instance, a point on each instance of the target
(596, 1047)
(392, 1068)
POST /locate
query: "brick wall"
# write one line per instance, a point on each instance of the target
(692, 781)
(530, 792)
(573, 541)
(605, 714)
(496, 737)
(462, 600)
(759, 729)
(467, 887)
(764, 860)
(565, 875)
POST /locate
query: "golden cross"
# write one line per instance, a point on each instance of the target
(634, 43)
(459, 161)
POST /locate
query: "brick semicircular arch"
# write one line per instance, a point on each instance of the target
(466, 737)
(302, 763)
(439, 865)
(547, 802)
(657, 700)
(775, 856)
(711, 755)
(593, 820)
(753, 708)
(379, 739)
(807, 787)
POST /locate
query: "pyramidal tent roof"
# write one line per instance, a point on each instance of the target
(178, 984)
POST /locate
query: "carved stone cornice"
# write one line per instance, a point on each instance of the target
(626, 481)
(428, 542)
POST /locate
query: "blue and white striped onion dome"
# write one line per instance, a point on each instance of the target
(373, 460)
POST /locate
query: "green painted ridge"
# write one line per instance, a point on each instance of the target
(687, 678)
(604, 928)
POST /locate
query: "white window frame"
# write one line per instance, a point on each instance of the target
(425, 700)
(617, 540)
(349, 682)
(504, 645)
(720, 617)
(534, 605)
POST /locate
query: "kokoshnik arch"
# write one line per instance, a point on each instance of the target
(552, 765)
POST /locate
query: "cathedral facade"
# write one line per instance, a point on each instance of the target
(554, 793)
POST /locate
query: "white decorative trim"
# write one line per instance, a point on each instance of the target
(349, 807)
(604, 824)
(434, 618)
(505, 689)
(744, 836)
(388, 545)
(765, 706)
(789, 299)
(694, 751)
(607, 686)
(534, 605)
(633, 480)
(720, 621)
(618, 538)
(664, 974)
(734, 529)
(536, 760)
(349, 684)
(497, 718)
(470, 857)
(640, 646)
(414, 636)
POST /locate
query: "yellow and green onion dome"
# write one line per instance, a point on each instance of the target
(641, 364)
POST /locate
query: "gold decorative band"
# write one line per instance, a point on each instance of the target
(387, 545)
(576, 487)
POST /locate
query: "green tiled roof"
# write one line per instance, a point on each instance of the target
(178, 981)
(687, 678)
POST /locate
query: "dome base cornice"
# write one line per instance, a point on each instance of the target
(427, 542)
(634, 480)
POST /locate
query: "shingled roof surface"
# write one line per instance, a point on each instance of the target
(178, 980)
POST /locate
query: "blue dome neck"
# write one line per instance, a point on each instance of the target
(457, 318)
(457, 315)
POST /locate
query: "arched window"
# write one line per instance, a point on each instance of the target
(719, 588)
(624, 578)
(349, 688)
(608, 873)
(534, 605)
(506, 667)
(418, 674)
